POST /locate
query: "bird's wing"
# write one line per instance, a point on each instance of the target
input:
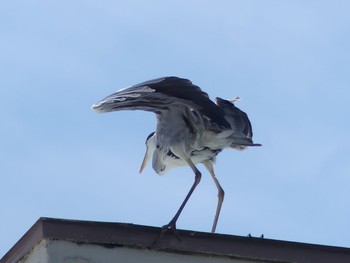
(163, 94)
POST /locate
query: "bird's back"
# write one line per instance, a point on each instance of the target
(191, 95)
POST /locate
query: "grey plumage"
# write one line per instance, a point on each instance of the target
(190, 128)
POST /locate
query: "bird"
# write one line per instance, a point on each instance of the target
(191, 128)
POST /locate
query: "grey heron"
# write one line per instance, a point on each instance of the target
(191, 128)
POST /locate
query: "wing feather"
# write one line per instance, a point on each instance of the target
(161, 94)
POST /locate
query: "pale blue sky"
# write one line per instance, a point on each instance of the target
(289, 61)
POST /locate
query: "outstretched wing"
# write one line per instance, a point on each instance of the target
(163, 94)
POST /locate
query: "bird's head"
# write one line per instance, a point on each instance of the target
(150, 148)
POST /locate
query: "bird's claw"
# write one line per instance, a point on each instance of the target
(169, 227)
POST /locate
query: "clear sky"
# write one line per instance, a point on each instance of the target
(289, 61)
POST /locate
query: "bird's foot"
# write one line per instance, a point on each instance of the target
(169, 227)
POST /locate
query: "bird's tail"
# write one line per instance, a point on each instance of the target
(243, 144)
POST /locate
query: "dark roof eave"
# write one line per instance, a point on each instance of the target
(138, 236)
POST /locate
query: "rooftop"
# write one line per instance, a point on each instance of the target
(50, 238)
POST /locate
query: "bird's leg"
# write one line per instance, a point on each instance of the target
(198, 176)
(172, 224)
(209, 165)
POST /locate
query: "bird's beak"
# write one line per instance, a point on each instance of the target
(145, 160)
